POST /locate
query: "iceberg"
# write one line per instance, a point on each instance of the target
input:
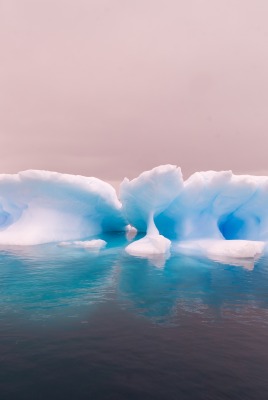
(212, 205)
(220, 205)
(218, 214)
(40, 207)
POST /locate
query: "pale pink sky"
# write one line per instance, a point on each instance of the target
(112, 87)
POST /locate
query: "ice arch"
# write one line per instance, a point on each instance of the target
(40, 207)
(209, 205)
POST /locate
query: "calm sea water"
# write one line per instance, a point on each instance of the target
(81, 325)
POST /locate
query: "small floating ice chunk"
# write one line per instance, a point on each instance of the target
(86, 244)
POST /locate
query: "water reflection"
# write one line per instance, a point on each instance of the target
(50, 282)
(192, 284)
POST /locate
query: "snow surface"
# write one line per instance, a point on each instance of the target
(40, 207)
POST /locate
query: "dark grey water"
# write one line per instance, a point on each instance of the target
(77, 325)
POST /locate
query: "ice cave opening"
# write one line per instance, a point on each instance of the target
(242, 227)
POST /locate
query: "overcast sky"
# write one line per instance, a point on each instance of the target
(109, 88)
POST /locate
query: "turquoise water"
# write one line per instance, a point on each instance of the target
(75, 324)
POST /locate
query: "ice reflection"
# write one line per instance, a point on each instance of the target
(190, 283)
(46, 282)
